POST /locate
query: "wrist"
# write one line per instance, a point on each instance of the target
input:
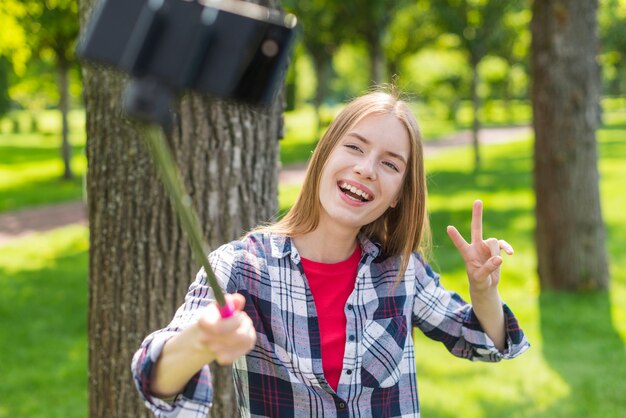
(195, 342)
(488, 295)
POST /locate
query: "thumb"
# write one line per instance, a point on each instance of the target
(209, 320)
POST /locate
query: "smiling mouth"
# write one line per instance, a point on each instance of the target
(354, 192)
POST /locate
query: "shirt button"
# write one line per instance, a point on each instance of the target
(348, 371)
(342, 405)
(350, 307)
(351, 338)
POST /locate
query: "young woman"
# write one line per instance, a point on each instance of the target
(327, 297)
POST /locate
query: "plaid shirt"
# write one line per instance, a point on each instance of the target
(282, 376)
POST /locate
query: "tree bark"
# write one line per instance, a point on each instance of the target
(140, 264)
(570, 233)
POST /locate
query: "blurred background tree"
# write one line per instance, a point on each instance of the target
(322, 33)
(52, 28)
(612, 19)
(570, 234)
(478, 26)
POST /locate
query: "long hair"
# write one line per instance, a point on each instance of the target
(401, 229)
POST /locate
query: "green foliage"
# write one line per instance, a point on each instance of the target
(438, 74)
(53, 28)
(612, 21)
(41, 41)
(411, 29)
(13, 42)
(350, 64)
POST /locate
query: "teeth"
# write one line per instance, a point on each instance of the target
(356, 191)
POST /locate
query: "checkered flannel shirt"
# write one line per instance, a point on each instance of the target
(283, 376)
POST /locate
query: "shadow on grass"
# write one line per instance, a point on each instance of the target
(39, 193)
(14, 155)
(509, 174)
(581, 344)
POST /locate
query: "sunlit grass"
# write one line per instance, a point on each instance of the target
(30, 162)
(43, 306)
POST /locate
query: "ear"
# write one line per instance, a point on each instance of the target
(395, 202)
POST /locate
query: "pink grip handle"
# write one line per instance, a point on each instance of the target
(227, 310)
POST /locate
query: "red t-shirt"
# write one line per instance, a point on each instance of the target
(331, 285)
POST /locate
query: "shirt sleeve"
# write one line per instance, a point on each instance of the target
(196, 397)
(444, 316)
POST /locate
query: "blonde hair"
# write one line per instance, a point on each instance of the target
(401, 229)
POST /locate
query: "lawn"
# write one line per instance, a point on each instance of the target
(575, 368)
(31, 165)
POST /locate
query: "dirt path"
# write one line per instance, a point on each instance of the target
(21, 223)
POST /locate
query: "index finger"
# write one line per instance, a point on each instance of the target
(477, 221)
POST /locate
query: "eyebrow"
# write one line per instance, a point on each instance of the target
(390, 153)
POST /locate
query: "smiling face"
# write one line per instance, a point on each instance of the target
(364, 173)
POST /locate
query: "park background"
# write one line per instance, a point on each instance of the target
(577, 364)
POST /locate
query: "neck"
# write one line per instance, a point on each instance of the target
(324, 246)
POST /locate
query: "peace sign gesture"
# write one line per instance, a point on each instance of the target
(482, 257)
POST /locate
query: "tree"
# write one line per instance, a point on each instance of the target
(570, 232)
(613, 35)
(410, 29)
(140, 264)
(368, 21)
(52, 28)
(476, 23)
(512, 44)
(5, 100)
(321, 36)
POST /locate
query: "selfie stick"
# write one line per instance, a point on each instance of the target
(158, 149)
(135, 45)
(147, 99)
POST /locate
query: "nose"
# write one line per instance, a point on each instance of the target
(366, 168)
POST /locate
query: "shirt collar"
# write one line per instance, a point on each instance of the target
(282, 246)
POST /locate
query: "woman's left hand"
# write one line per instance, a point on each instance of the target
(482, 257)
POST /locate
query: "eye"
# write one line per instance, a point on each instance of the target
(391, 165)
(353, 147)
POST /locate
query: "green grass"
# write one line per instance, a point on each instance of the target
(43, 306)
(575, 368)
(31, 166)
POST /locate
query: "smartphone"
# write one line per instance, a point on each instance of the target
(225, 48)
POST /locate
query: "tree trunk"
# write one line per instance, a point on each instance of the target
(140, 264)
(475, 117)
(377, 60)
(570, 232)
(66, 149)
(322, 66)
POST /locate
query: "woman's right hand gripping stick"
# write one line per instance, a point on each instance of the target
(226, 339)
(211, 338)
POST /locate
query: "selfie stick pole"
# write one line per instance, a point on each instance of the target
(149, 101)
